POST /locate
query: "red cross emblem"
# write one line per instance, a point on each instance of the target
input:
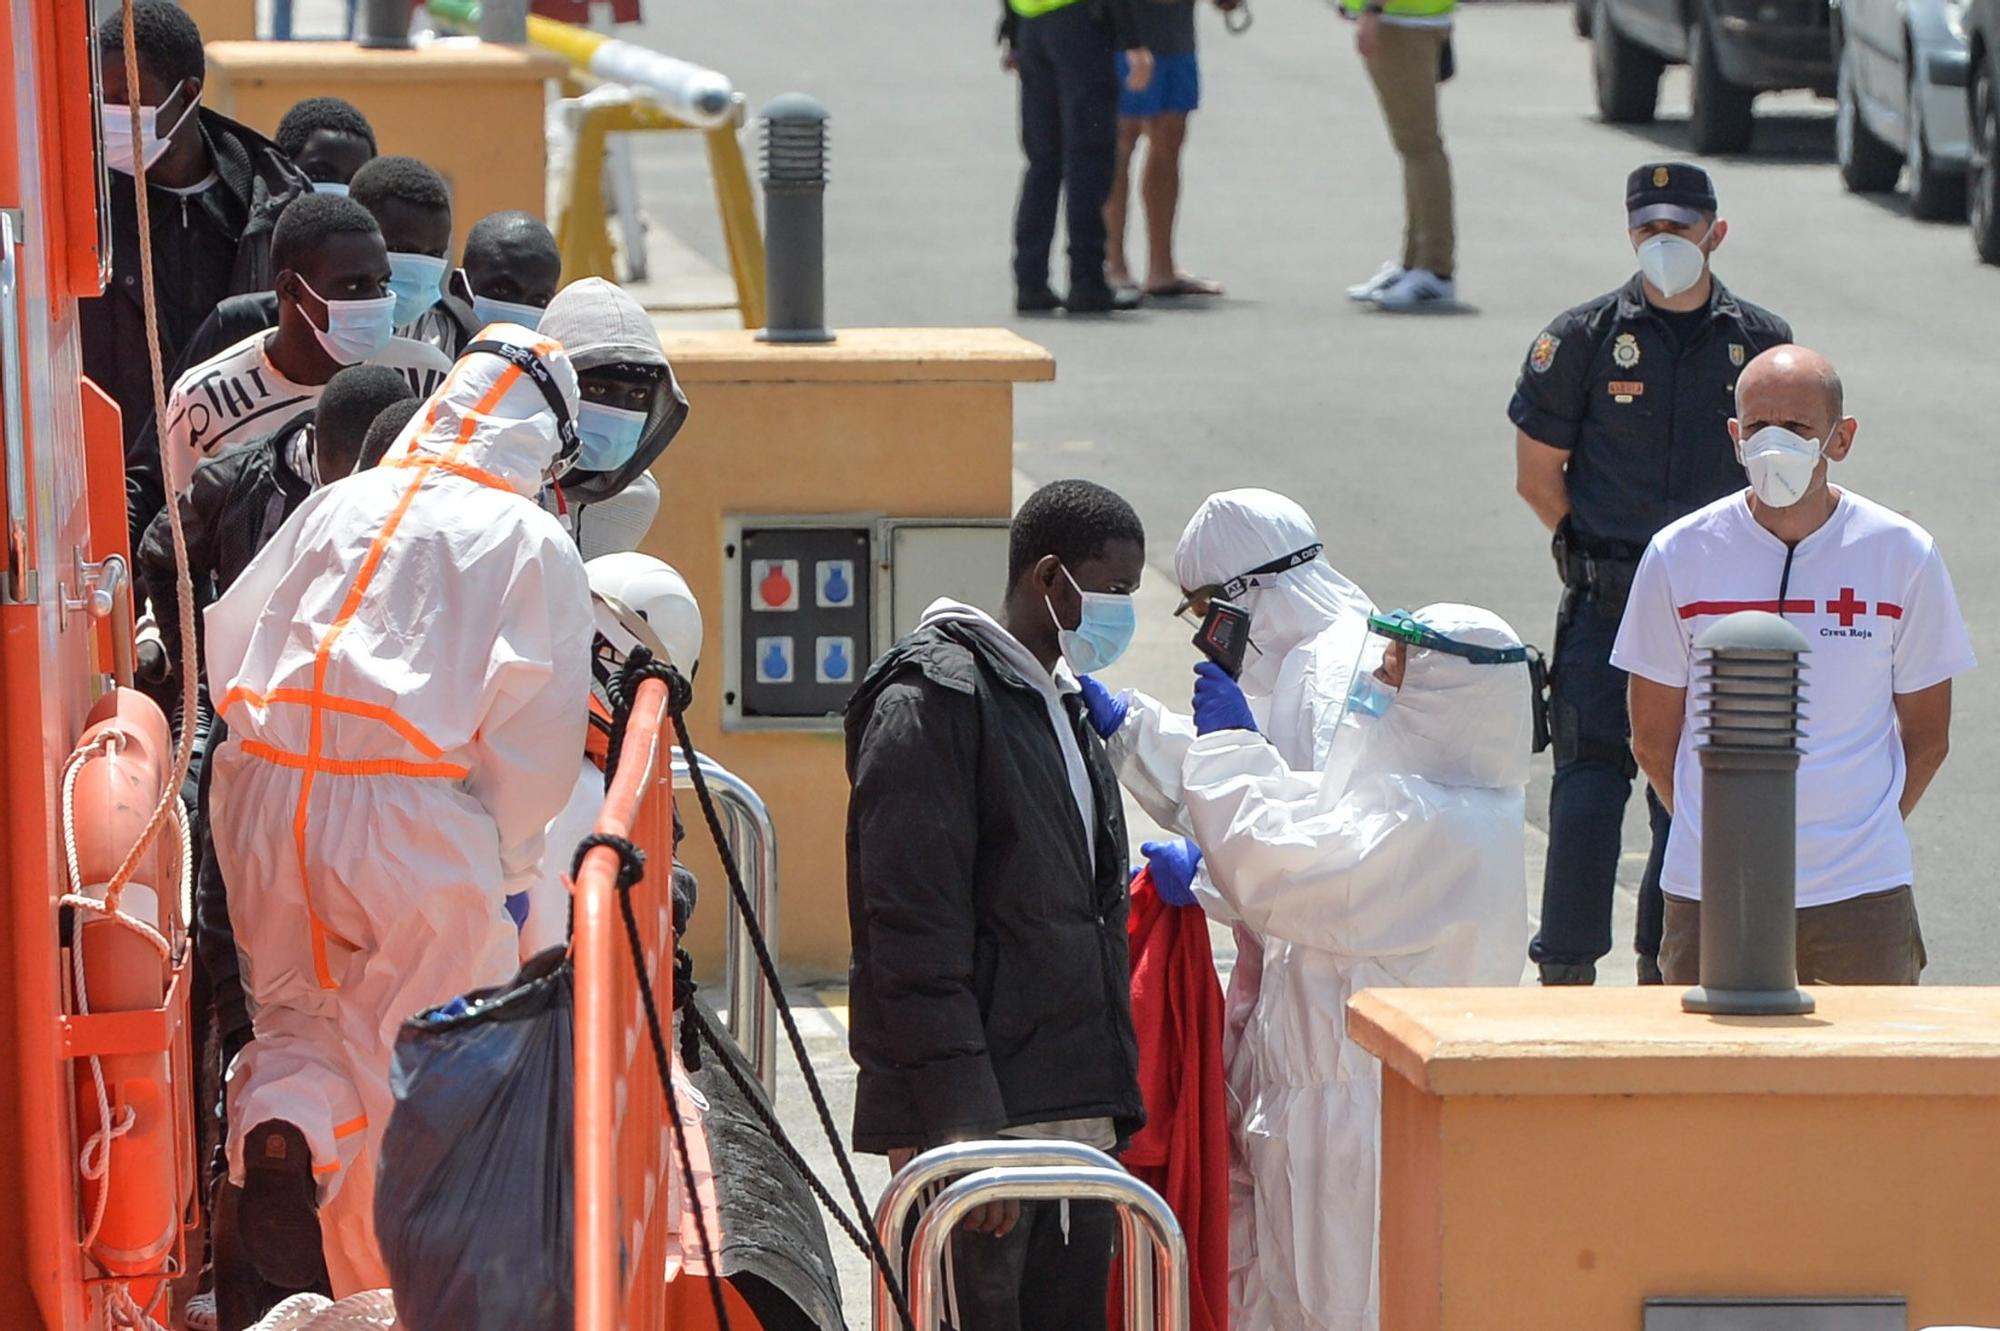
(1847, 607)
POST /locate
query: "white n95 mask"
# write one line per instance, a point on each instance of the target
(1671, 263)
(1780, 464)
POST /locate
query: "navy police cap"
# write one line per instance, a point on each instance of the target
(1673, 191)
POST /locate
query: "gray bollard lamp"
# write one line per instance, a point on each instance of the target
(795, 150)
(1751, 690)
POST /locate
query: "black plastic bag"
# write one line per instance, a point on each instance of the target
(474, 1195)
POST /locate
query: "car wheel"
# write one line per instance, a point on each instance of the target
(1719, 120)
(1983, 182)
(1581, 12)
(1937, 192)
(1867, 165)
(1626, 74)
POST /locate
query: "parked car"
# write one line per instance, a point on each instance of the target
(1982, 34)
(1901, 89)
(1735, 49)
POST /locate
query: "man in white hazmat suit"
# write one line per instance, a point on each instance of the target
(404, 669)
(1397, 862)
(1259, 550)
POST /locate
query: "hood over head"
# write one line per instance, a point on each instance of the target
(599, 324)
(494, 415)
(1238, 530)
(1453, 722)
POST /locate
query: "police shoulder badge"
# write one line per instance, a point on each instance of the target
(1543, 353)
(1660, 177)
(1625, 351)
(1736, 354)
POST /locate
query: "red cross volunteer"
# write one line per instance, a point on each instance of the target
(1870, 592)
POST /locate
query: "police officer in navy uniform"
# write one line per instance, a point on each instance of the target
(1621, 417)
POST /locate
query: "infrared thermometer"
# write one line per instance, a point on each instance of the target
(1224, 635)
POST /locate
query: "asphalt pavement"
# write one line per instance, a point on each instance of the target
(1391, 431)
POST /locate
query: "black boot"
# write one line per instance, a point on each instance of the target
(279, 1208)
(243, 1297)
(1556, 973)
(1649, 970)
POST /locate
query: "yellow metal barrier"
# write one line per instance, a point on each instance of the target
(583, 231)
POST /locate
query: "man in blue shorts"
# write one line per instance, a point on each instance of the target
(1157, 113)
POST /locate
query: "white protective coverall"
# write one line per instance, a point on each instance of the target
(405, 671)
(1309, 625)
(1410, 875)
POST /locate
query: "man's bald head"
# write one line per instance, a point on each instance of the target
(1790, 386)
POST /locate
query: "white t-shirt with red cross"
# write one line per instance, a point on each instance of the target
(1871, 594)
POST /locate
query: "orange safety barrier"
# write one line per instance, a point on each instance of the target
(628, 1202)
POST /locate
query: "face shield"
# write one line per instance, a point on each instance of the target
(1370, 697)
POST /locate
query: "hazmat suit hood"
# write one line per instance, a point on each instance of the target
(1238, 530)
(598, 324)
(1453, 722)
(492, 416)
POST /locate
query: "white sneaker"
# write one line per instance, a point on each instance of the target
(200, 1314)
(1377, 284)
(1417, 291)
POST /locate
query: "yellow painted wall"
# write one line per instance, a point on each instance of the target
(1553, 1158)
(902, 422)
(223, 20)
(473, 112)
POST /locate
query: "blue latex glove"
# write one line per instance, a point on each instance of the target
(1173, 864)
(1106, 709)
(517, 909)
(1218, 703)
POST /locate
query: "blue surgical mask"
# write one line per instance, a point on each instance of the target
(608, 436)
(1102, 633)
(1368, 696)
(414, 280)
(330, 187)
(356, 330)
(505, 312)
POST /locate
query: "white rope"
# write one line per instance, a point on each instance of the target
(127, 1315)
(94, 1160)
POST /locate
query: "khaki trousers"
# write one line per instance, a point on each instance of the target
(1405, 72)
(1864, 940)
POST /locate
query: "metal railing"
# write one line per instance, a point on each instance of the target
(753, 842)
(1154, 1249)
(628, 1200)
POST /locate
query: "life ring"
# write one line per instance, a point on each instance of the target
(137, 1157)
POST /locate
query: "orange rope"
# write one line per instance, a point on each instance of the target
(183, 585)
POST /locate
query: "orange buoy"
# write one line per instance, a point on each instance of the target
(135, 1181)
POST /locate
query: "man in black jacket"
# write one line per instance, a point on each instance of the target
(215, 189)
(986, 889)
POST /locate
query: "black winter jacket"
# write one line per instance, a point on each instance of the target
(990, 985)
(214, 244)
(235, 503)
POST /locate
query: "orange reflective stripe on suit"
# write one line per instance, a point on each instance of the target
(313, 762)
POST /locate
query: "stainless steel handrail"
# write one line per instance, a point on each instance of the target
(753, 843)
(906, 1189)
(1140, 1209)
(20, 586)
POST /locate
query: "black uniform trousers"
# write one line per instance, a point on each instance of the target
(1593, 780)
(1069, 132)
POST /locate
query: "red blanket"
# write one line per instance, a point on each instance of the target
(1183, 1151)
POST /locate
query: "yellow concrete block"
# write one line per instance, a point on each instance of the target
(472, 111)
(1553, 1157)
(223, 20)
(903, 422)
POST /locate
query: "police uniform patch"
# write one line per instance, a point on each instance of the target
(1543, 354)
(1625, 351)
(1660, 177)
(1736, 354)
